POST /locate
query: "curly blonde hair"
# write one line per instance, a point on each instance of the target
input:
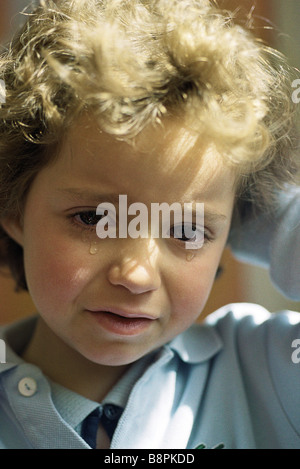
(131, 63)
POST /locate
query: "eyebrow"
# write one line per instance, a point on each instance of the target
(87, 194)
(97, 198)
(212, 217)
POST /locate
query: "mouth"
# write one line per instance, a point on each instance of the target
(122, 322)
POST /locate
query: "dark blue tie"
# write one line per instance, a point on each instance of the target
(108, 415)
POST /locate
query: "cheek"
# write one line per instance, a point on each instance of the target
(192, 286)
(56, 273)
(194, 290)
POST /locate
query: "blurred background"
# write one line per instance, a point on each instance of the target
(278, 24)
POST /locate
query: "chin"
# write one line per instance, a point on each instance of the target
(116, 357)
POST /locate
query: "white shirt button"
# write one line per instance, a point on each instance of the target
(27, 387)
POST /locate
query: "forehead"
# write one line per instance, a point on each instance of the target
(170, 151)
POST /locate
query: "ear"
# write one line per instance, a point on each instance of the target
(13, 227)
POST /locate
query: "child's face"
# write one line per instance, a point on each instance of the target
(151, 287)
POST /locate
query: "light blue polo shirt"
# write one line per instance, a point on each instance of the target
(231, 380)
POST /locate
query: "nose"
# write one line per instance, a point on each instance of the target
(136, 269)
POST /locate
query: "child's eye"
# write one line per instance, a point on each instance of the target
(190, 236)
(88, 218)
(85, 220)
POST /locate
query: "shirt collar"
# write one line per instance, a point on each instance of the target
(197, 344)
(73, 407)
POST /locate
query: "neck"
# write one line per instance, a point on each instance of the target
(64, 365)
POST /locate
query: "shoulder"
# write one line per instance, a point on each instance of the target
(248, 318)
(250, 327)
(235, 329)
(264, 348)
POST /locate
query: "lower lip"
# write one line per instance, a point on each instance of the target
(120, 325)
